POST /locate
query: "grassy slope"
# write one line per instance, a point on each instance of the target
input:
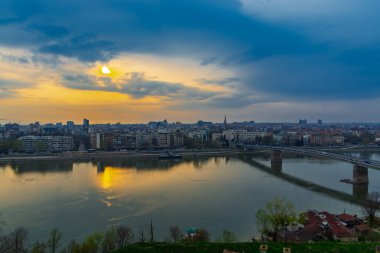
(248, 247)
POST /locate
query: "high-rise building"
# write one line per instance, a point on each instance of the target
(225, 119)
(70, 124)
(86, 123)
(319, 122)
(302, 122)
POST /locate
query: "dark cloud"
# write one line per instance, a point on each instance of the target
(136, 85)
(268, 56)
(53, 31)
(85, 48)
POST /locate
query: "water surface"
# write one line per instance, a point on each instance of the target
(216, 193)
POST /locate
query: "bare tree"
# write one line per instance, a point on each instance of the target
(5, 243)
(53, 242)
(151, 231)
(142, 237)
(17, 240)
(175, 233)
(371, 206)
(109, 241)
(124, 236)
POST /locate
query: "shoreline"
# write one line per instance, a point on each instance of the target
(80, 156)
(86, 156)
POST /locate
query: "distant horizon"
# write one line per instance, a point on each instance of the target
(184, 122)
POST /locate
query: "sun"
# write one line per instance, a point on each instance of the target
(106, 70)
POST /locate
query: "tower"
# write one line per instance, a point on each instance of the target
(225, 120)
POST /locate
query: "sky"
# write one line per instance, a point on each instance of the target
(189, 60)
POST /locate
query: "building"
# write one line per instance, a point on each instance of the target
(199, 135)
(176, 139)
(326, 140)
(161, 139)
(242, 135)
(32, 143)
(126, 141)
(302, 122)
(86, 123)
(323, 226)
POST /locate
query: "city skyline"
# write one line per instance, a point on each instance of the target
(138, 61)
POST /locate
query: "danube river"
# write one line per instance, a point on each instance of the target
(215, 193)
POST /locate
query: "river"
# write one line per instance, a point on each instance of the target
(215, 193)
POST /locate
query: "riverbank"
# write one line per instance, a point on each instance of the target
(324, 247)
(78, 156)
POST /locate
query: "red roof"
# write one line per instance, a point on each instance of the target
(346, 217)
(324, 218)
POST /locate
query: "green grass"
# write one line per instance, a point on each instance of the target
(326, 247)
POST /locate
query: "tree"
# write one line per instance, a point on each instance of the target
(262, 221)
(151, 231)
(93, 243)
(5, 243)
(175, 233)
(202, 235)
(228, 236)
(371, 206)
(123, 236)
(38, 247)
(108, 243)
(53, 242)
(17, 240)
(278, 213)
(142, 237)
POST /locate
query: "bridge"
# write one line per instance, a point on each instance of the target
(360, 166)
(359, 191)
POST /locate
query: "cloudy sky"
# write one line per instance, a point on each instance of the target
(262, 60)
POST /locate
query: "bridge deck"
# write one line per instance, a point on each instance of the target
(312, 152)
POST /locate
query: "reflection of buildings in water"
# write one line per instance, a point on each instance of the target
(199, 161)
(217, 160)
(100, 167)
(42, 166)
(137, 164)
(360, 191)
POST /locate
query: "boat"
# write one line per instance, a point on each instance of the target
(170, 155)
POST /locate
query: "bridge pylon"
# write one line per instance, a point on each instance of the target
(276, 160)
(360, 174)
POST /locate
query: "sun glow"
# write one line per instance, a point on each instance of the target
(106, 70)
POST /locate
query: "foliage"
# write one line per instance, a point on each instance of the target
(207, 247)
(38, 247)
(227, 237)
(277, 214)
(11, 145)
(53, 242)
(262, 222)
